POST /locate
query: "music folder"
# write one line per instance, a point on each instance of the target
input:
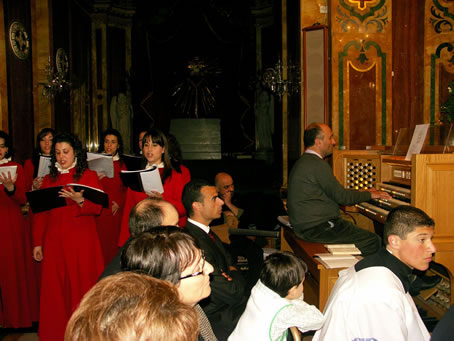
(145, 180)
(132, 162)
(49, 198)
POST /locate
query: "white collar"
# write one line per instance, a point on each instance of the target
(5, 160)
(159, 165)
(310, 151)
(64, 171)
(205, 228)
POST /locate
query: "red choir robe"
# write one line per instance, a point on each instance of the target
(15, 298)
(108, 225)
(173, 189)
(72, 257)
(34, 267)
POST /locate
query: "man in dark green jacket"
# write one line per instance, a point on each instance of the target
(314, 196)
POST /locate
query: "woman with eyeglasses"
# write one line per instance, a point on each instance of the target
(156, 153)
(169, 254)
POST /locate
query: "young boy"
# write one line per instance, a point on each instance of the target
(276, 302)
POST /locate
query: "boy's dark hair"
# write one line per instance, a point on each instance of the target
(192, 193)
(403, 220)
(282, 271)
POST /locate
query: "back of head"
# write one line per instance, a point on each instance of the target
(282, 271)
(130, 306)
(312, 132)
(403, 220)
(192, 193)
(162, 253)
(145, 215)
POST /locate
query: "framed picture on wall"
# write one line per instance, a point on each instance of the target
(315, 74)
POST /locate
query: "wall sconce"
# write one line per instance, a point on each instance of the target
(56, 82)
(272, 79)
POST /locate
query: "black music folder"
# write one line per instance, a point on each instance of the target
(145, 180)
(133, 162)
(48, 198)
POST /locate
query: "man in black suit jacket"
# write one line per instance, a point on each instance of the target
(227, 300)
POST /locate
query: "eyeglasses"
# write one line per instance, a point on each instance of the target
(198, 273)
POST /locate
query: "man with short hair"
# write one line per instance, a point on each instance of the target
(148, 213)
(227, 301)
(314, 196)
(371, 300)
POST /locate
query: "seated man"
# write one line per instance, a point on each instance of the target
(147, 214)
(314, 196)
(226, 188)
(130, 306)
(371, 300)
(241, 246)
(227, 300)
(169, 254)
(257, 209)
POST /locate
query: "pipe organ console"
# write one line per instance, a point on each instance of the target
(426, 182)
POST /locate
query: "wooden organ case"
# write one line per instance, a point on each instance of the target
(426, 182)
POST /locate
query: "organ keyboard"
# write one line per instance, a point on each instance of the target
(426, 182)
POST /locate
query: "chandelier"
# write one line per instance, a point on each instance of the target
(273, 79)
(56, 82)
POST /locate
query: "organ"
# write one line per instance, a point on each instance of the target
(426, 182)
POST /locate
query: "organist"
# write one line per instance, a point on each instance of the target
(314, 196)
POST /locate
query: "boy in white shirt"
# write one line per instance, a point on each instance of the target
(276, 302)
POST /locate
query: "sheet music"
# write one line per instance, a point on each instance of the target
(101, 163)
(44, 164)
(417, 141)
(151, 181)
(11, 169)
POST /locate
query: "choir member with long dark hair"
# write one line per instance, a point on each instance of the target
(108, 223)
(14, 297)
(156, 153)
(65, 238)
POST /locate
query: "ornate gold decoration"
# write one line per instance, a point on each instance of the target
(19, 40)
